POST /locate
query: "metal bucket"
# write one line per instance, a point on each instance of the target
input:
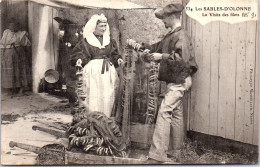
(51, 76)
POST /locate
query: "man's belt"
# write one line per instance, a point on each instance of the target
(172, 71)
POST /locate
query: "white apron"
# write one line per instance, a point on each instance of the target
(99, 88)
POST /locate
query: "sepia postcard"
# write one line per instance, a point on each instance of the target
(124, 82)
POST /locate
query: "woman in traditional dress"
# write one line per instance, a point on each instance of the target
(14, 59)
(99, 56)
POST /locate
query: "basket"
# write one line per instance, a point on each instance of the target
(51, 76)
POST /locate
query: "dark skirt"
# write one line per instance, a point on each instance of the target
(14, 68)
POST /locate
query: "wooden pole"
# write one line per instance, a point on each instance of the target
(57, 133)
(83, 159)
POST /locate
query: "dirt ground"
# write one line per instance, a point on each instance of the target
(19, 114)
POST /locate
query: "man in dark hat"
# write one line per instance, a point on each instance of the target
(177, 65)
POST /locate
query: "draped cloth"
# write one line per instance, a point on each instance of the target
(14, 60)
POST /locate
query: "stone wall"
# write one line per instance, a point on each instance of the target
(141, 24)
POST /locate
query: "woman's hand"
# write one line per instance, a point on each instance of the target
(79, 63)
(121, 62)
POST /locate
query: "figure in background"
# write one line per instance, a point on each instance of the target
(15, 71)
(99, 56)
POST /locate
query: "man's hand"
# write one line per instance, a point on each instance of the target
(156, 56)
(121, 62)
(146, 51)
